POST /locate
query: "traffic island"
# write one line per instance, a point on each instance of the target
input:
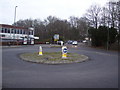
(53, 58)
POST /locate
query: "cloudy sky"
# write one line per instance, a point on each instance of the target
(41, 9)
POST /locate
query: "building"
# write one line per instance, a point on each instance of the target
(16, 35)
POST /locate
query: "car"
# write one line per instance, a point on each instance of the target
(60, 42)
(74, 43)
(69, 41)
(84, 41)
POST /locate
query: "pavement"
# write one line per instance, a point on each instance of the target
(101, 71)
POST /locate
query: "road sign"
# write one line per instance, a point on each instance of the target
(56, 37)
(64, 52)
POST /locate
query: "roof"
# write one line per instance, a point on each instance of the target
(11, 26)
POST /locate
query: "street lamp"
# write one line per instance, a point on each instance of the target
(14, 21)
(15, 14)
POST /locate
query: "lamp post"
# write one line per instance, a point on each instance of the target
(15, 14)
(14, 21)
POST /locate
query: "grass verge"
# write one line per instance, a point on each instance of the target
(53, 58)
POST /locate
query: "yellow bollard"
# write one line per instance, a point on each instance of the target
(64, 55)
(40, 51)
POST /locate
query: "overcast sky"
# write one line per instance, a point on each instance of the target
(41, 9)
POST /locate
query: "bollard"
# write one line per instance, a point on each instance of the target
(64, 52)
(40, 51)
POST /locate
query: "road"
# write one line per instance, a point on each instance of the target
(100, 71)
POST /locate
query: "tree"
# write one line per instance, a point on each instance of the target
(99, 36)
(113, 13)
(93, 15)
(113, 35)
(110, 14)
(79, 24)
(93, 35)
(24, 23)
(83, 26)
(104, 16)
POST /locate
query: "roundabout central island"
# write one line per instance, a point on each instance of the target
(53, 58)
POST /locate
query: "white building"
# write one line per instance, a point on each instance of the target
(20, 35)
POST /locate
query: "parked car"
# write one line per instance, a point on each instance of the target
(84, 41)
(74, 43)
(60, 42)
(69, 41)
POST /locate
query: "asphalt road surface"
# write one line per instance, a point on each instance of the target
(100, 71)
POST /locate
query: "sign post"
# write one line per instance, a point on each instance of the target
(40, 51)
(64, 52)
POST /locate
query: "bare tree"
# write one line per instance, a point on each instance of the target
(93, 15)
(104, 16)
(80, 25)
(73, 21)
(113, 13)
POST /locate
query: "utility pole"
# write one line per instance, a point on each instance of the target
(118, 4)
(108, 29)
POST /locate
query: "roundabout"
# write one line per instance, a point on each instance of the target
(53, 58)
(99, 71)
